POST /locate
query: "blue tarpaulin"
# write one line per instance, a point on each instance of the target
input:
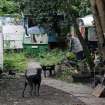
(52, 37)
(36, 30)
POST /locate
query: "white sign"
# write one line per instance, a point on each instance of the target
(34, 46)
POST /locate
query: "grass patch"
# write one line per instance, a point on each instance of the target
(51, 57)
(14, 61)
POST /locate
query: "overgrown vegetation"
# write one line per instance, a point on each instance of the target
(58, 57)
(66, 75)
(51, 57)
(40, 8)
(14, 61)
(18, 62)
(8, 7)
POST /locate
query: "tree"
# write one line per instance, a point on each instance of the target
(98, 10)
(8, 7)
(75, 8)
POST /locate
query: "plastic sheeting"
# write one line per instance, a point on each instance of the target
(86, 21)
(36, 30)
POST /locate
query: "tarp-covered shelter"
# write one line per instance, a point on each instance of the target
(36, 39)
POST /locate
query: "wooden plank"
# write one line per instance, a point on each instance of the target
(98, 91)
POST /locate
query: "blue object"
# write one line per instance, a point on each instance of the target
(36, 30)
(52, 37)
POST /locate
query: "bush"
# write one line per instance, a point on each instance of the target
(71, 56)
(66, 75)
(14, 61)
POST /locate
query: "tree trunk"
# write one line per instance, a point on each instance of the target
(96, 9)
(100, 7)
(101, 11)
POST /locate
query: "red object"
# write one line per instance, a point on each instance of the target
(82, 31)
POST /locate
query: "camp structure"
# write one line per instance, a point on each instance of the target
(36, 40)
(13, 31)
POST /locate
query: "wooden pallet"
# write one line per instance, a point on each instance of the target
(99, 91)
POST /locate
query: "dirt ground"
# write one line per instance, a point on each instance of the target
(11, 90)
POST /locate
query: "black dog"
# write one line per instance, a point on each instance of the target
(33, 80)
(51, 69)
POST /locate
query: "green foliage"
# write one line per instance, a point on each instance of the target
(8, 7)
(66, 75)
(14, 61)
(52, 57)
(71, 56)
(72, 8)
(85, 8)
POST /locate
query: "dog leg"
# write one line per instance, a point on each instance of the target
(54, 72)
(31, 88)
(25, 85)
(35, 88)
(45, 73)
(50, 72)
(38, 89)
